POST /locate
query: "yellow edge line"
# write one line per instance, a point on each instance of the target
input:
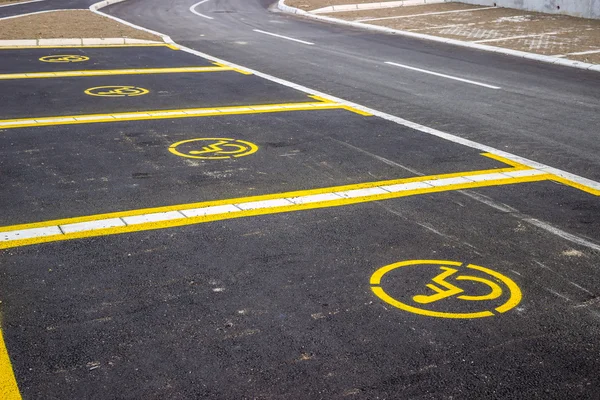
(297, 193)
(576, 185)
(241, 71)
(8, 384)
(348, 108)
(263, 211)
(107, 72)
(160, 114)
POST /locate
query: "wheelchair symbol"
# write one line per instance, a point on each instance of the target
(117, 91)
(213, 148)
(64, 58)
(453, 283)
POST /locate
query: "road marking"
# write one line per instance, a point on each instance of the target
(514, 37)
(109, 72)
(20, 3)
(425, 14)
(181, 113)
(213, 148)
(283, 37)
(570, 179)
(443, 75)
(64, 58)
(9, 389)
(88, 46)
(196, 213)
(492, 296)
(116, 91)
(193, 9)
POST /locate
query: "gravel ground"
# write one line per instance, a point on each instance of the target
(314, 4)
(547, 34)
(68, 24)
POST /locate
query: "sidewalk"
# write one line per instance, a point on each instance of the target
(553, 35)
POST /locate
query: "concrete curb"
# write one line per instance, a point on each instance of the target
(374, 6)
(521, 54)
(95, 8)
(74, 42)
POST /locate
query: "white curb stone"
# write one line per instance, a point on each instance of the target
(374, 6)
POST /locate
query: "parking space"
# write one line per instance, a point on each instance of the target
(48, 59)
(85, 165)
(184, 234)
(226, 309)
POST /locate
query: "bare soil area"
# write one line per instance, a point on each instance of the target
(547, 34)
(315, 4)
(68, 24)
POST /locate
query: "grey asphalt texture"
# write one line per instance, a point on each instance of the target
(280, 306)
(46, 5)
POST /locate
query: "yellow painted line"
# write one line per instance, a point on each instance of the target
(196, 213)
(108, 72)
(8, 384)
(169, 114)
(576, 185)
(241, 71)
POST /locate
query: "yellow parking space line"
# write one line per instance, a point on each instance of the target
(241, 71)
(8, 384)
(345, 107)
(576, 185)
(108, 72)
(169, 114)
(196, 213)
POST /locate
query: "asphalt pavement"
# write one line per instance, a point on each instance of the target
(27, 7)
(179, 228)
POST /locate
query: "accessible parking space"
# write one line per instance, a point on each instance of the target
(226, 309)
(123, 94)
(100, 168)
(210, 233)
(37, 60)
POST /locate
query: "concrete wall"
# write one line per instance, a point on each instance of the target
(578, 8)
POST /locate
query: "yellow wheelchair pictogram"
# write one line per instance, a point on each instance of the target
(117, 91)
(457, 290)
(213, 148)
(64, 58)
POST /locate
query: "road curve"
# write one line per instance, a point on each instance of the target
(542, 112)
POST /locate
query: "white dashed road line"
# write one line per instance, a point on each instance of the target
(443, 75)
(283, 37)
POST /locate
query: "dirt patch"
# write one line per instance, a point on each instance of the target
(546, 34)
(315, 4)
(68, 24)
(403, 11)
(11, 1)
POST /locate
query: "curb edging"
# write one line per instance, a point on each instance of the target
(374, 6)
(74, 42)
(516, 53)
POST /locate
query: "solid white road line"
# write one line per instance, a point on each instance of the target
(594, 185)
(22, 2)
(443, 75)
(425, 14)
(282, 37)
(33, 13)
(193, 10)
